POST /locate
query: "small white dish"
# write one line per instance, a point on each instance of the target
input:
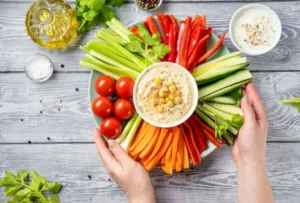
(153, 9)
(38, 68)
(183, 118)
(255, 29)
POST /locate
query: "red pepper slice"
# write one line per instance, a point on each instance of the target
(174, 22)
(180, 35)
(196, 19)
(212, 50)
(199, 135)
(193, 41)
(152, 25)
(203, 21)
(185, 42)
(161, 20)
(208, 132)
(196, 53)
(134, 30)
(146, 25)
(172, 43)
(190, 142)
(167, 23)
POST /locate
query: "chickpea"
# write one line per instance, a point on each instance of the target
(158, 80)
(177, 93)
(178, 100)
(164, 89)
(172, 88)
(161, 94)
(155, 93)
(154, 102)
(170, 104)
(162, 101)
(171, 97)
(166, 100)
(160, 109)
(171, 82)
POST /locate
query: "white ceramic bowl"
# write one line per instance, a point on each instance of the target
(185, 117)
(239, 12)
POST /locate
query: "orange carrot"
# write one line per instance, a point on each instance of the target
(140, 135)
(180, 148)
(178, 165)
(176, 133)
(160, 141)
(186, 163)
(159, 154)
(150, 145)
(143, 143)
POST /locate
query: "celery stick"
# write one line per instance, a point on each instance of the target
(121, 26)
(226, 108)
(87, 64)
(222, 115)
(113, 35)
(118, 31)
(127, 53)
(127, 128)
(117, 59)
(96, 46)
(85, 49)
(205, 118)
(125, 144)
(120, 71)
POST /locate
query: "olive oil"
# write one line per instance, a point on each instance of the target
(51, 23)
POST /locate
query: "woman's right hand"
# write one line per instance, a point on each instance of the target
(250, 146)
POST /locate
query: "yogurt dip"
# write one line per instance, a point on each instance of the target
(165, 94)
(255, 29)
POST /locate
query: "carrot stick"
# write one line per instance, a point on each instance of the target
(176, 133)
(143, 130)
(159, 154)
(213, 50)
(186, 163)
(143, 143)
(158, 145)
(178, 165)
(180, 148)
(151, 144)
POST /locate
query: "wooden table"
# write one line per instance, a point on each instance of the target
(57, 120)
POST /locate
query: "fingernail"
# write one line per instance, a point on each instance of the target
(112, 144)
(245, 100)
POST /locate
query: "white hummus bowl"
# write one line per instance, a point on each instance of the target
(184, 117)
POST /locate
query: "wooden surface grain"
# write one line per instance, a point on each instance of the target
(55, 109)
(283, 57)
(30, 111)
(214, 180)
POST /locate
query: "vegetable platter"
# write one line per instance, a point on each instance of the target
(118, 58)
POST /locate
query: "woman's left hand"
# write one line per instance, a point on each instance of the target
(128, 174)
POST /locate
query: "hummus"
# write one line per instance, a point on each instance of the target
(165, 94)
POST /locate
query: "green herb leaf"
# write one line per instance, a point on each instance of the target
(295, 101)
(134, 46)
(23, 175)
(37, 180)
(10, 191)
(142, 30)
(160, 50)
(117, 3)
(221, 127)
(53, 187)
(237, 121)
(54, 199)
(108, 14)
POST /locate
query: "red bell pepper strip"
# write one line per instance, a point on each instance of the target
(190, 142)
(196, 53)
(193, 41)
(161, 20)
(152, 25)
(199, 135)
(146, 25)
(172, 43)
(180, 34)
(203, 21)
(195, 21)
(208, 132)
(167, 23)
(134, 30)
(185, 42)
(174, 22)
(212, 50)
(203, 49)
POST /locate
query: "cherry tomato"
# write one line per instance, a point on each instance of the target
(105, 85)
(111, 127)
(123, 109)
(102, 106)
(124, 87)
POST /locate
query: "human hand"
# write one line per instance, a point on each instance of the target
(250, 145)
(128, 174)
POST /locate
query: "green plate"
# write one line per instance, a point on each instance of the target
(94, 75)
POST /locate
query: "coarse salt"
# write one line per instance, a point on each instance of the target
(38, 67)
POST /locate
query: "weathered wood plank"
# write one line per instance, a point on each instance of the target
(15, 43)
(20, 99)
(212, 181)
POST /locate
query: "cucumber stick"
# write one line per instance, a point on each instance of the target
(231, 80)
(226, 108)
(223, 100)
(224, 90)
(221, 114)
(219, 73)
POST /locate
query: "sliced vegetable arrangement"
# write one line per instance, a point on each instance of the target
(121, 54)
